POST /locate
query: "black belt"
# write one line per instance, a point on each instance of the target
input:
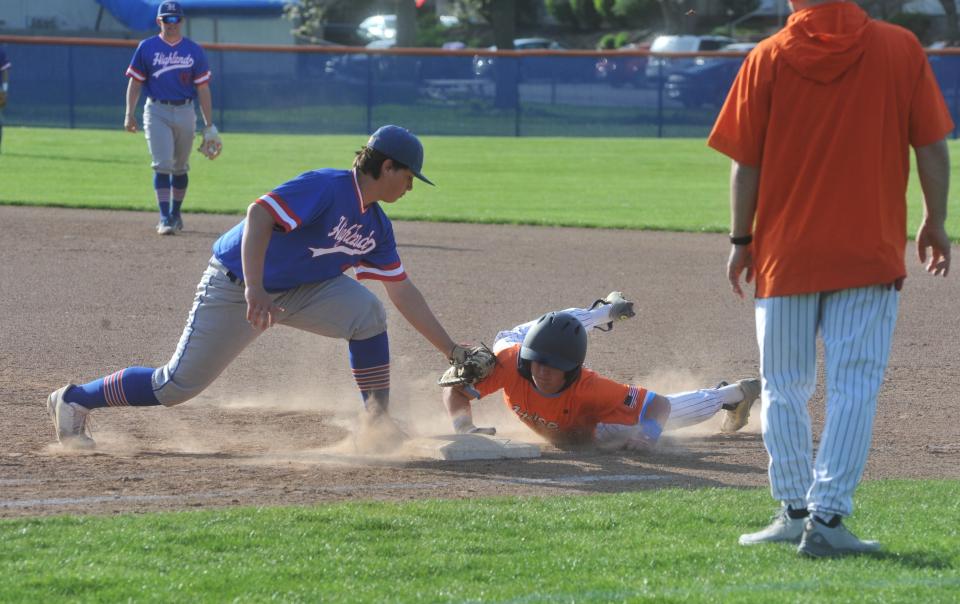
(178, 103)
(223, 270)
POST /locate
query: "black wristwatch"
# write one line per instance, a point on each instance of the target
(742, 240)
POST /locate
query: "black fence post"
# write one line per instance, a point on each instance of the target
(221, 100)
(71, 85)
(660, 84)
(516, 120)
(369, 93)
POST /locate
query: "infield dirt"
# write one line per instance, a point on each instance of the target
(86, 293)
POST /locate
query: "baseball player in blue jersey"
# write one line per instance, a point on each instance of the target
(4, 86)
(284, 265)
(173, 71)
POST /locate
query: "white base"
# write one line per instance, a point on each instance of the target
(462, 447)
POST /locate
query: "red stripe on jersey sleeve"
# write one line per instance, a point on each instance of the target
(136, 75)
(361, 276)
(277, 217)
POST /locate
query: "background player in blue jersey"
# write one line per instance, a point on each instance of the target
(4, 85)
(173, 71)
(284, 265)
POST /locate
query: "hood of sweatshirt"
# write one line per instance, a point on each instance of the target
(824, 41)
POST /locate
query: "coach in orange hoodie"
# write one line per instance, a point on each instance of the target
(819, 123)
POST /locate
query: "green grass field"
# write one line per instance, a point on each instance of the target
(672, 184)
(657, 546)
(667, 545)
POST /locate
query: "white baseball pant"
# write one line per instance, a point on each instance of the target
(856, 326)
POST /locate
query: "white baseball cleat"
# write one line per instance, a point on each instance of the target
(822, 541)
(165, 227)
(69, 421)
(783, 529)
(736, 418)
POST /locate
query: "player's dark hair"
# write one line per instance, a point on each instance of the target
(370, 161)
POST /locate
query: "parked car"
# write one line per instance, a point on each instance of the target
(483, 64)
(620, 71)
(662, 67)
(354, 66)
(706, 82)
(378, 27)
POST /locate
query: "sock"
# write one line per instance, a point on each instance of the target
(161, 185)
(131, 386)
(179, 183)
(732, 395)
(689, 408)
(370, 362)
(592, 317)
(833, 522)
(796, 514)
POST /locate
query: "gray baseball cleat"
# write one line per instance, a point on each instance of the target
(736, 418)
(165, 226)
(69, 421)
(176, 221)
(621, 308)
(783, 529)
(822, 541)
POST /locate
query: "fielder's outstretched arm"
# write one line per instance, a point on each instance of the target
(411, 304)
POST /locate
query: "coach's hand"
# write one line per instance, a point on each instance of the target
(262, 312)
(934, 237)
(741, 259)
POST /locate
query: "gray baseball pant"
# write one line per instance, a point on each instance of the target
(217, 330)
(169, 130)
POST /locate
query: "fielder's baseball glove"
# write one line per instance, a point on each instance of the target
(468, 366)
(211, 145)
(3, 99)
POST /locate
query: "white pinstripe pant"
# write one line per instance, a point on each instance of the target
(856, 326)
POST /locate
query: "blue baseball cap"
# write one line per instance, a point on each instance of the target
(399, 144)
(168, 9)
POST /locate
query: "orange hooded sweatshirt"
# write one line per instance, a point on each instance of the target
(827, 109)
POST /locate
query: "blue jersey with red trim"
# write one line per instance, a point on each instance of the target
(321, 230)
(169, 72)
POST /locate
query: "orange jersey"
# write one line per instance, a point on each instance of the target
(570, 416)
(827, 108)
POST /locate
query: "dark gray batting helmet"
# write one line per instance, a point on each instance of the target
(557, 340)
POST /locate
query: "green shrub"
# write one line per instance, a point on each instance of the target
(607, 42)
(915, 22)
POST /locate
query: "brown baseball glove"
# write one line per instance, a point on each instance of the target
(468, 366)
(3, 99)
(211, 145)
